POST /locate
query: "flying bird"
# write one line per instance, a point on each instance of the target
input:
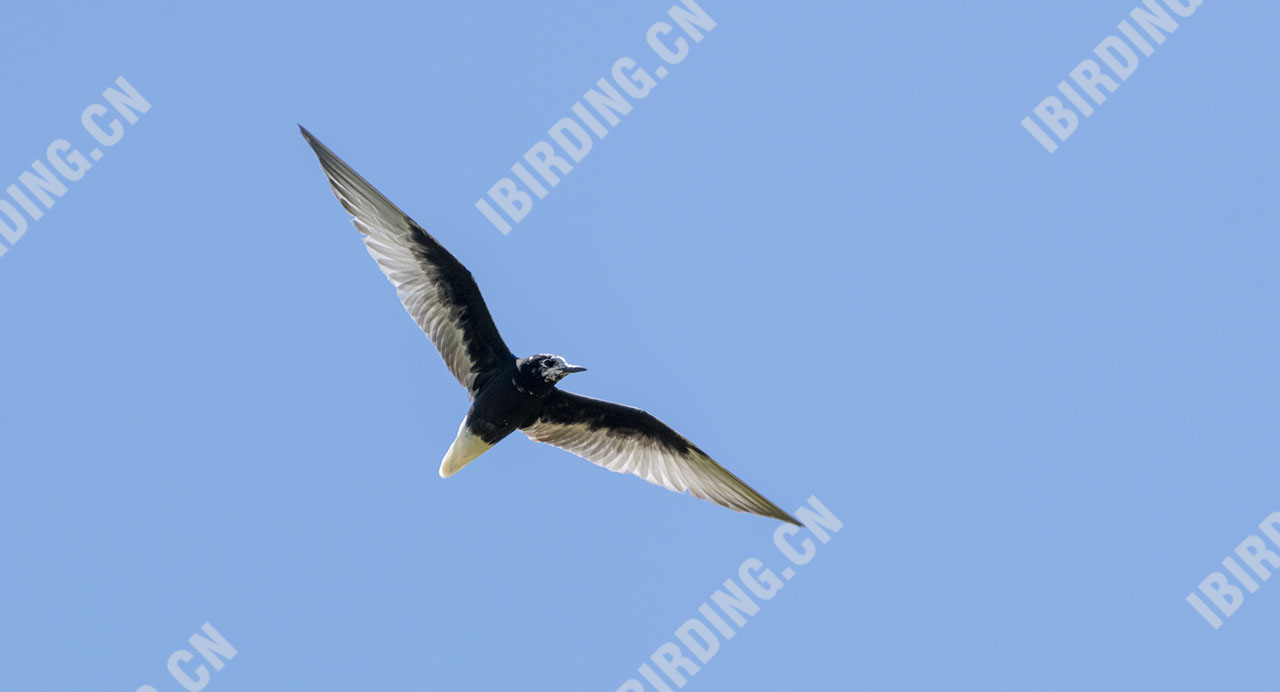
(509, 393)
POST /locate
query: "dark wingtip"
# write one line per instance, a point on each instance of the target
(775, 512)
(321, 151)
(311, 139)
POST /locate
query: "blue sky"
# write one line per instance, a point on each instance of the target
(1038, 390)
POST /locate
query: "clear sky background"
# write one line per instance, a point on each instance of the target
(1039, 390)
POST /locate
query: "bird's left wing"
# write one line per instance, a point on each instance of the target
(628, 440)
(437, 291)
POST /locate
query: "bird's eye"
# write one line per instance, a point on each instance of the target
(548, 363)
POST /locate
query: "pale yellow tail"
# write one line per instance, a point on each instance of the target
(464, 449)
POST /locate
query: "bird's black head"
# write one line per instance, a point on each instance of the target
(546, 368)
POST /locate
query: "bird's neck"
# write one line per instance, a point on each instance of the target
(531, 385)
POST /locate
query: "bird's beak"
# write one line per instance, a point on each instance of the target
(570, 369)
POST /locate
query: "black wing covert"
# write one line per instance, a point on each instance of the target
(435, 288)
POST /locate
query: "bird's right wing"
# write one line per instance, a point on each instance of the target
(628, 440)
(437, 291)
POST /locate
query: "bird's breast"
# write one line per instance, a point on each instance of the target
(499, 410)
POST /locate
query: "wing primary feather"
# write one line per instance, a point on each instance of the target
(629, 440)
(436, 290)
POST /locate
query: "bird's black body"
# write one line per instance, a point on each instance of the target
(509, 393)
(509, 401)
